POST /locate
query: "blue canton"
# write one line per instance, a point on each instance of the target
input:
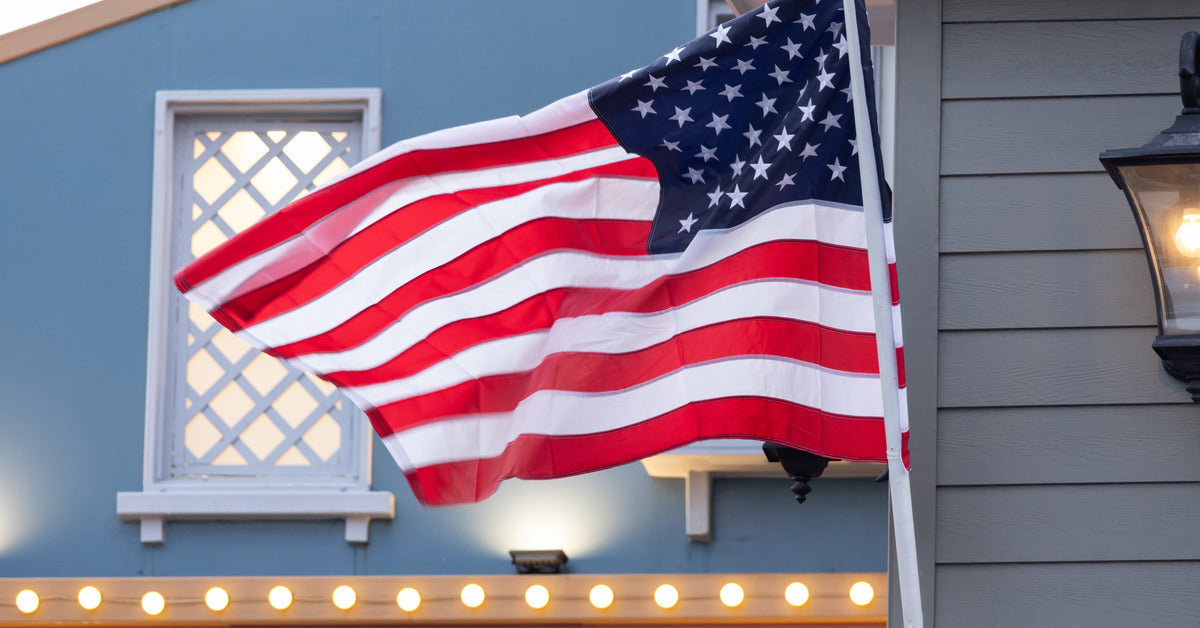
(753, 114)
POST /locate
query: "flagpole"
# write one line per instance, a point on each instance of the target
(898, 480)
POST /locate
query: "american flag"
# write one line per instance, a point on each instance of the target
(674, 255)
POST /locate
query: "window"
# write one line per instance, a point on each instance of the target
(231, 432)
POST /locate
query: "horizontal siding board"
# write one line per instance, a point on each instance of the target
(1046, 135)
(1035, 213)
(1019, 10)
(1095, 595)
(1050, 289)
(1099, 522)
(1047, 367)
(1069, 445)
(1018, 59)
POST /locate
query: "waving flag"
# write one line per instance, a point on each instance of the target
(674, 255)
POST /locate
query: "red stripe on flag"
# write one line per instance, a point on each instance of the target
(802, 261)
(805, 261)
(359, 250)
(591, 372)
(377, 183)
(533, 456)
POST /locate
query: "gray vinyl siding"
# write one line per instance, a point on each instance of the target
(1066, 489)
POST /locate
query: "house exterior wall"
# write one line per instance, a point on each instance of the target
(75, 215)
(1063, 489)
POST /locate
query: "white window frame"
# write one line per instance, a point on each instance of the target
(163, 498)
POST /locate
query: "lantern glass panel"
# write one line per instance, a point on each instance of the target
(1166, 199)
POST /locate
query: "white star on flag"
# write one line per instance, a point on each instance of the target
(681, 116)
(718, 123)
(837, 169)
(735, 197)
(831, 120)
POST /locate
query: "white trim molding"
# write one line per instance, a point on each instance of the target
(345, 495)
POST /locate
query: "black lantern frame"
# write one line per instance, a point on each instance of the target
(1169, 165)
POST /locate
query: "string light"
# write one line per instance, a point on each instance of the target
(408, 599)
(861, 593)
(537, 596)
(344, 597)
(601, 596)
(472, 595)
(280, 597)
(153, 603)
(732, 594)
(796, 594)
(89, 598)
(216, 599)
(27, 601)
(666, 596)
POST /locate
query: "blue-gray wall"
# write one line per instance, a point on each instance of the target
(75, 179)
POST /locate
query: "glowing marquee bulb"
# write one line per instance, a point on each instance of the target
(732, 594)
(796, 594)
(89, 598)
(27, 601)
(472, 596)
(666, 596)
(862, 593)
(153, 603)
(408, 599)
(1187, 237)
(537, 596)
(280, 597)
(601, 596)
(216, 598)
(344, 597)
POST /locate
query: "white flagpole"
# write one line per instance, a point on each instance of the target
(902, 517)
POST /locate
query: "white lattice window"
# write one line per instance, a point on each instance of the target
(232, 432)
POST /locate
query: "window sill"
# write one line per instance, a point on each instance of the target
(153, 509)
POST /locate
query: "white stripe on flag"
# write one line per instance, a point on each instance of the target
(323, 236)
(561, 114)
(609, 333)
(556, 270)
(561, 413)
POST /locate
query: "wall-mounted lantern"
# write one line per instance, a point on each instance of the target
(1161, 180)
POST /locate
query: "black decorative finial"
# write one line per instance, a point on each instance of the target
(801, 467)
(1189, 80)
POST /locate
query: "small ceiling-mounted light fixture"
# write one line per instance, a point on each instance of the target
(538, 561)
